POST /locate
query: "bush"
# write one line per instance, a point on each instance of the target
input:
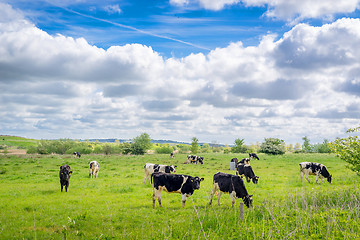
(164, 149)
(273, 146)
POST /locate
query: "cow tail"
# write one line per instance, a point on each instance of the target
(151, 179)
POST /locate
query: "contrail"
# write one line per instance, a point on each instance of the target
(132, 28)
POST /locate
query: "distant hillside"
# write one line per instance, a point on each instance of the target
(18, 142)
(110, 140)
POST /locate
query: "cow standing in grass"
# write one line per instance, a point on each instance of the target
(174, 183)
(247, 171)
(310, 168)
(94, 169)
(65, 174)
(231, 184)
(253, 155)
(151, 168)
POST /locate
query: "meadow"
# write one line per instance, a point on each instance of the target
(118, 205)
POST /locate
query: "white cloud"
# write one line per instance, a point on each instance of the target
(111, 9)
(288, 88)
(289, 10)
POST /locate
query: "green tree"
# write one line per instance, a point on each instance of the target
(140, 144)
(194, 145)
(239, 146)
(322, 147)
(348, 149)
(306, 147)
(273, 146)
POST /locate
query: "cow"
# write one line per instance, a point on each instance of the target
(231, 184)
(235, 160)
(245, 161)
(65, 174)
(151, 168)
(77, 154)
(172, 155)
(94, 169)
(178, 183)
(247, 171)
(310, 168)
(253, 155)
(194, 159)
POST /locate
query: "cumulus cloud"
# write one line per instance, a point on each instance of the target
(290, 87)
(289, 10)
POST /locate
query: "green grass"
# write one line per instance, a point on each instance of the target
(18, 142)
(117, 205)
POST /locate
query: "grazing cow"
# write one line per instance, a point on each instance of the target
(253, 155)
(310, 168)
(65, 174)
(172, 155)
(247, 171)
(231, 184)
(194, 159)
(151, 168)
(235, 160)
(245, 161)
(77, 154)
(183, 184)
(94, 169)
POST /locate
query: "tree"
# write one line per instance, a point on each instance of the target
(239, 146)
(306, 147)
(348, 149)
(140, 144)
(322, 147)
(194, 145)
(273, 146)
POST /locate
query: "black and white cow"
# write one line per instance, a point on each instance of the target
(245, 161)
(151, 168)
(177, 183)
(65, 174)
(231, 184)
(94, 169)
(195, 159)
(247, 171)
(235, 160)
(77, 154)
(310, 168)
(172, 155)
(253, 155)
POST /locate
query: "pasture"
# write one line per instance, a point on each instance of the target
(117, 205)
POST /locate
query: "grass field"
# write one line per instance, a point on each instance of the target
(117, 205)
(18, 142)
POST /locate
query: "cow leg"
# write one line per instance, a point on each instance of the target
(145, 178)
(212, 194)
(218, 197)
(66, 186)
(307, 177)
(157, 195)
(232, 196)
(183, 198)
(301, 176)
(62, 186)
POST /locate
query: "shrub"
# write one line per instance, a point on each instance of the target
(273, 146)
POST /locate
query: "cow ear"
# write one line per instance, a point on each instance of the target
(175, 166)
(201, 179)
(70, 171)
(250, 195)
(61, 167)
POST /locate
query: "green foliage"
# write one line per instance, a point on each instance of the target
(322, 147)
(348, 149)
(183, 148)
(306, 147)
(140, 144)
(273, 146)
(239, 146)
(164, 149)
(194, 145)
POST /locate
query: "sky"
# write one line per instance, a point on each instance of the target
(216, 70)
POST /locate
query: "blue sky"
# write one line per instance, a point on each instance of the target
(217, 70)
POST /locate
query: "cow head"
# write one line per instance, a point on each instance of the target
(65, 172)
(195, 182)
(201, 160)
(248, 200)
(329, 179)
(172, 168)
(255, 179)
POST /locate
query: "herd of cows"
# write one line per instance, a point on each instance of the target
(162, 178)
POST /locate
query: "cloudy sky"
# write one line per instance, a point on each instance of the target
(176, 69)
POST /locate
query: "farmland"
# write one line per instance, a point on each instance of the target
(117, 205)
